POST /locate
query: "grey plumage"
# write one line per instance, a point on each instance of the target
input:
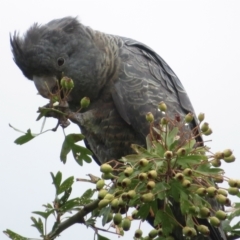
(124, 79)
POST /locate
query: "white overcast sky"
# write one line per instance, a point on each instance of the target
(200, 40)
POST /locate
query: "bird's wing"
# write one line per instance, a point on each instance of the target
(144, 80)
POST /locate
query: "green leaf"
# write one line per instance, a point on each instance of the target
(185, 161)
(167, 220)
(86, 197)
(44, 111)
(143, 211)
(28, 136)
(65, 185)
(70, 205)
(100, 237)
(65, 197)
(105, 214)
(38, 224)
(56, 180)
(171, 136)
(44, 214)
(79, 153)
(14, 236)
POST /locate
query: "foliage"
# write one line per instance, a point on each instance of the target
(175, 168)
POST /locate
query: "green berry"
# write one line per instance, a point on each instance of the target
(203, 229)
(214, 221)
(187, 172)
(138, 233)
(181, 152)
(201, 117)
(164, 121)
(84, 103)
(189, 118)
(149, 117)
(168, 154)
(151, 185)
(223, 192)
(219, 155)
(102, 193)
(179, 177)
(229, 159)
(142, 176)
(162, 106)
(100, 184)
(186, 183)
(103, 203)
(147, 197)
(128, 171)
(201, 191)
(227, 152)
(109, 197)
(131, 194)
(153, 233)
(134, 214)
(204, 127)
(221, 215)
(232, 183)
(212, 191)
(152, 174)
(189, 232)
(208, 132)
(106, 168)
(126, 224)
(143, 162)
(204, 212)
(117, 219)
(233, 191)
(126, 182)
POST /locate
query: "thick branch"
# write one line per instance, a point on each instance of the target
(77, 218)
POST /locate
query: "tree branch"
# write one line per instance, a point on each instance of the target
(77, 218)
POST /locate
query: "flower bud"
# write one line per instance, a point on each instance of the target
(201, 117)
(149, 117)
(84, 103)
(189, 117)
(221, 215)
(162, 106)
(147, 197)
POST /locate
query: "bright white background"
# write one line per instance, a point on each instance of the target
(200, 40)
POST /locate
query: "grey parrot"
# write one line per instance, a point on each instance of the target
(123, 78)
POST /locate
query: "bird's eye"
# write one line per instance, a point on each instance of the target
(60, 61)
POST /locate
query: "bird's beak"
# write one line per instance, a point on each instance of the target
(45, 85)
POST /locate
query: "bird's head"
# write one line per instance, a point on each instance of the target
(63, 46)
